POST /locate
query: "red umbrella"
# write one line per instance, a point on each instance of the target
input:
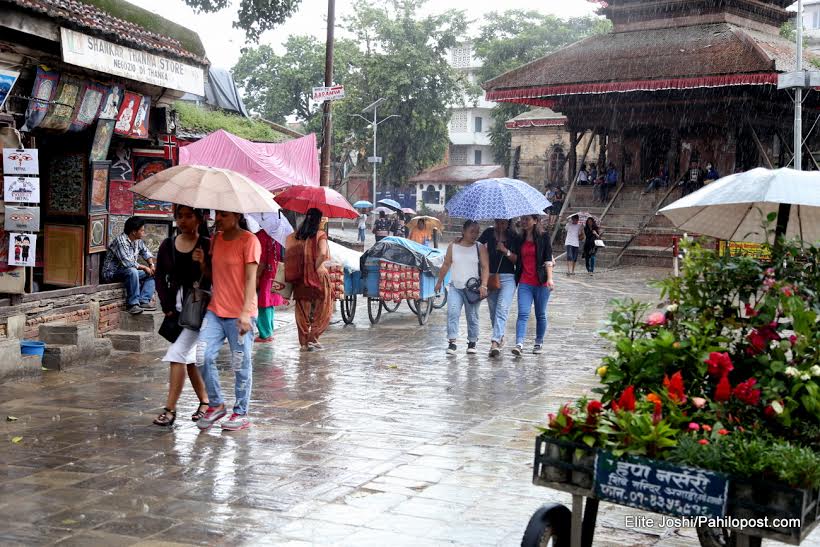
(328, 201)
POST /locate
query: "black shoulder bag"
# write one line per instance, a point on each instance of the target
(196, 303)
(472, 288)
(170, 329)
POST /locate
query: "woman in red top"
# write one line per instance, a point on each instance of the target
(533, 272)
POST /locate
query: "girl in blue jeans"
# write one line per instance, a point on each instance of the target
(467, 259)
(534, 275)
(502, 247)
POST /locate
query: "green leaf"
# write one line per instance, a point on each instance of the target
(589, 440)
(16, 440)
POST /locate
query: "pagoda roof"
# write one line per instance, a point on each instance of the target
(711, 55)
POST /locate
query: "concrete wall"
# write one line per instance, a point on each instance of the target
(537, 143)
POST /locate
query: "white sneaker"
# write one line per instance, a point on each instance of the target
(236, 422)
(518, 350)
(537, 349)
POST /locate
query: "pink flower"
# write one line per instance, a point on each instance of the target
(720, 364)
(703, 441)
(769, 272)
(693, 426)
(656, 319)
(793, 339)
(698, 402)
(787, 291)
(707, 428)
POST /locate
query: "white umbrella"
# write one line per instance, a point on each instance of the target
(276, 226)
(207, 188)
(734, 208)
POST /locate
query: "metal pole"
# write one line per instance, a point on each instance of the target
(375, 130)
(327, 120)
(798, 94)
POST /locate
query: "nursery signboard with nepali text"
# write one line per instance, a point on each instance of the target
(659, 487)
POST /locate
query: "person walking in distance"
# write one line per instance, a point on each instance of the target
(468, 260)
(265, 274)
(533, 272)
(306, 252)
(235, 255)
(573, 242)
(502, 247)
(182, 261)
(362, 227)
(381, 228)
(591, 234)
(610, 182)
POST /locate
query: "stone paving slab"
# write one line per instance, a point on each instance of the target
(380, 439)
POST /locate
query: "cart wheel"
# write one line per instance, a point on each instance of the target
(390, 307)
(374, 310)
(348, 306)
(550, 525)
(424, 307)
(440, 300)
(722, 537)
(412, 305)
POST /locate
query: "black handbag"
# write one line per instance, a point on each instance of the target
(472, 288)
(170, 328)
(194, 308)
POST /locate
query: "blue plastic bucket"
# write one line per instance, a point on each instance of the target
(32, 347)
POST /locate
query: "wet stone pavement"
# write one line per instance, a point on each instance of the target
(378, 440)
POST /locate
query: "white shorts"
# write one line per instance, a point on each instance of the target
(184, 349)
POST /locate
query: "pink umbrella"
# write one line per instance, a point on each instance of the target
(408, 210)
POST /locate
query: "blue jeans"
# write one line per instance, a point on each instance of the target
(590, 263)
(361, 235)
(527, 296)
(133, 278)
(455, 300)
(212, 335)
(499, 303)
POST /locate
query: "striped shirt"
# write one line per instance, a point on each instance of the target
(123, 253)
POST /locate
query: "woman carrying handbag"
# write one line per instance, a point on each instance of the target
(181, 262)
(534, 275)
(502, 247)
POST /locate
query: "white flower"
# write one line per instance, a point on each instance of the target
(672, 308)
(805, 377)
(789, 355)
(792, 372)
(815, 370)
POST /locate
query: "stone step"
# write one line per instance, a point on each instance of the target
(147, 321)
(72, 334)
(13, 365)
(135, 341)
(63, 356)
(647, 256)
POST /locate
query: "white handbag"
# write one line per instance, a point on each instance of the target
(600, 243)
(279, 285)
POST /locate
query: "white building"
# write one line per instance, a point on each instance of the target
(811, 23)
(470, 120)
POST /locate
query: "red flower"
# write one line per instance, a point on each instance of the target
(707, 428)
(793, 339)
(656, 414)
(769, 411)
(594, 408)
(674, 387)
(787, 291)
(703, 441)
(723, 390)
(745, 392)
(761, 336)
(720, 364)
(656, 319)
(723, 431)
(627, 400)
(750, 311)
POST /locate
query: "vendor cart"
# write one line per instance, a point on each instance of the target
(661, 487)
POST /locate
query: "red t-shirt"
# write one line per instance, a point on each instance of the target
(529, 270)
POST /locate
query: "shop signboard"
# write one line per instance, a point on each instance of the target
(332, 93)
(21, 189)
(103, 56)
(22, 219)
(22, 161)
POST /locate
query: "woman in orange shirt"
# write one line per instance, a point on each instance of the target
(420, 233)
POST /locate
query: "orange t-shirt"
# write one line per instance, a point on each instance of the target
(228, 273)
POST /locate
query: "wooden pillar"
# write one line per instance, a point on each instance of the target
(602, 138)
(673, 155)
(573, 154)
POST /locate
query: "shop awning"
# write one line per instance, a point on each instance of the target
(272, 166)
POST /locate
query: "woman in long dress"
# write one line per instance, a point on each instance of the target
(268, 264)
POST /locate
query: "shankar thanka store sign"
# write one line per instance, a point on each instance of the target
(103, 56)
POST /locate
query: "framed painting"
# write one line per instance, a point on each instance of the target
(102, 140)
(155, 233)
(98, 189)
(144, 167)
(120, 198)
(116, 226)
(66, 189)
(97, 233)
(64, 258)
(122, 165)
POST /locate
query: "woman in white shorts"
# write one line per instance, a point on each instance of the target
(181, 262)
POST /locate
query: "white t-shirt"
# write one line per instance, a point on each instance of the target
(583, 176)
(362, 222)
(573, 231)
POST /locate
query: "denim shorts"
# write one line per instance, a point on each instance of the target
(572, 253)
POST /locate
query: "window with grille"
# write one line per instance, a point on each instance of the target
(460, 57)
(458, 121)
(477, 154)
(458, 155)
(478, 122)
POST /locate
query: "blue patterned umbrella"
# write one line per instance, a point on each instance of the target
(497, 198)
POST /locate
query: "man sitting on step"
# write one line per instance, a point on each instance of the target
(121, 265)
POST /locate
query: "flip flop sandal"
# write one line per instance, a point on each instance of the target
(199, 412)
(163, 421)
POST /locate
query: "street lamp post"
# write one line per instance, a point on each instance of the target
(798, 94)
(375, 125)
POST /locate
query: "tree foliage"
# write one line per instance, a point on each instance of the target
(515, 37)
(253, 16)
(393, 53)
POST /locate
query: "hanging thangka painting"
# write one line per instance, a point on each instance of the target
(128, 111)
(97, 233)
(147, 163)
(45, 88)
(98, 189)
(88, 107)
(61, 110)
(102, 140)
(111, 103)
(122, 166)
(7, 79)
(139, 129)
(120, 198)
(66, 189)
(116, 226)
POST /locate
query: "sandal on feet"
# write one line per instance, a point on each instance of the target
(200, 412)
(163, 419)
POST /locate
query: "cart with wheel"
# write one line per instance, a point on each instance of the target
(397, 269)
(733, 512)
